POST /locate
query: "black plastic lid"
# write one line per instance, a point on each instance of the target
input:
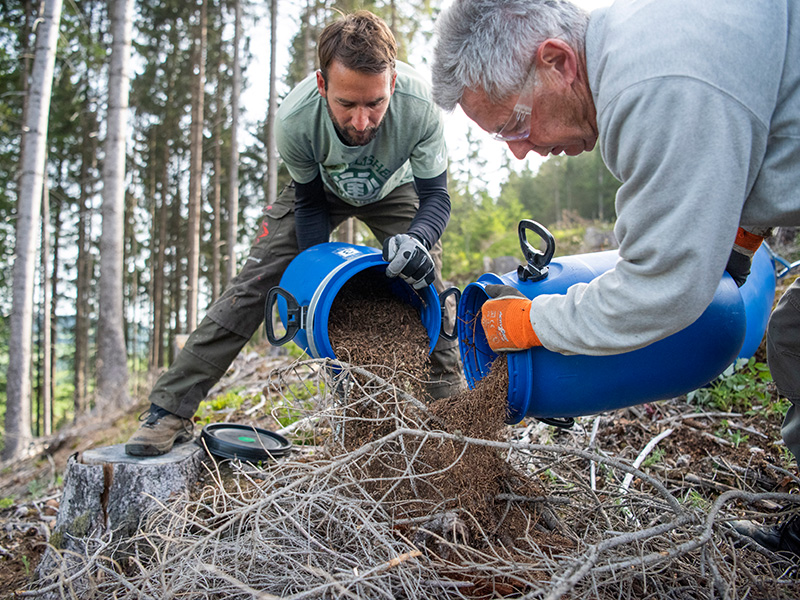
(245, 442)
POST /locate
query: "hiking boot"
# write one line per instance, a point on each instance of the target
(159, 431)
(781, 538)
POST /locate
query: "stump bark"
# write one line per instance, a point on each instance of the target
(106, 496)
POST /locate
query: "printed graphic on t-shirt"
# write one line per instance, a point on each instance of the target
(360, 182)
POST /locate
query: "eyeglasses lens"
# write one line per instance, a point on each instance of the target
(518, 126)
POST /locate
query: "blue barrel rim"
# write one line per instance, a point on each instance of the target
(476, 355)
(325, 292)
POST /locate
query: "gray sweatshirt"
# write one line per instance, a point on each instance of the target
(698, 111)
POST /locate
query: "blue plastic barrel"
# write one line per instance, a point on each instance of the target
(758, 294)
(313, 279)
(549, 385)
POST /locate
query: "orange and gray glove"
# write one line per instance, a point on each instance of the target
(506, 320)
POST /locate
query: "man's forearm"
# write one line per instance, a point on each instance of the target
(434, 209)
(312, 225)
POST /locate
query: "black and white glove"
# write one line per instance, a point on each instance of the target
(409, 259)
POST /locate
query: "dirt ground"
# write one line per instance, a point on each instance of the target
(707, 452)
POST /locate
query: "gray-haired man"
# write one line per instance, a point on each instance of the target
(696, 107)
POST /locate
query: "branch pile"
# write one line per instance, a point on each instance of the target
(393, 498)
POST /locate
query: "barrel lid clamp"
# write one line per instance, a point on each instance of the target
(537, 261)
(296, 316)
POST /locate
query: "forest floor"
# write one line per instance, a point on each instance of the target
(708, 445)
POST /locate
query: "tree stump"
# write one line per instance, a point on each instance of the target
(106, 496)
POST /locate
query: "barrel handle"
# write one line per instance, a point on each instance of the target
(295, 316)
(453, 291)
(562, 422)
(536, 267)
(785, 266)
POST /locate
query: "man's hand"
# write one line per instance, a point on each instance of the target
(408, 258)
(741, 256)
(506, 320)
(739, 266)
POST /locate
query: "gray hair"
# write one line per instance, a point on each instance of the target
(490, 44)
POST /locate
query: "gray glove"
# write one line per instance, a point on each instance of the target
(408, 258)
(496, 290)
(746, 245)
(739, 266)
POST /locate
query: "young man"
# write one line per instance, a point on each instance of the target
(361, 137)
(696, 106)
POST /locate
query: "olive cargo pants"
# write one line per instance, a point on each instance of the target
(783, 356)
(237, 314)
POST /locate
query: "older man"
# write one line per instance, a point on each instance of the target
(696, 107)
(361, 138)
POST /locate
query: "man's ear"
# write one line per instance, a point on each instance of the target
(394, 79)
(557, 58)
(321, 85)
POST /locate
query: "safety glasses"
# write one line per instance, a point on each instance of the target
(518, 126)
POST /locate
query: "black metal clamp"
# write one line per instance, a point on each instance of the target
(537, 261)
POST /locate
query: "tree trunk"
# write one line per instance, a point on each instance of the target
(25, 67)
(18, 390)
(112, 367)
(159, 312)
(85, 268)
(309, 57)
(196, 174)
(53, 366)
(163, 132)
(272, 152)
(152, 194)
(131, 291)
(233, 197)
(45, 389)
(81, 332)
(177, 238)
(216, 225)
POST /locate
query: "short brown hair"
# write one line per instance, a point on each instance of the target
(360, 41)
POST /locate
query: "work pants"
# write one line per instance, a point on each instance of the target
(232, 320)
(783, 357)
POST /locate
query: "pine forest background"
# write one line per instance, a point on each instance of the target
(199, 168)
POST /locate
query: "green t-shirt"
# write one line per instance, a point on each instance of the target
(410, 141)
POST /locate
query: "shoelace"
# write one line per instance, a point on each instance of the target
(152, 415)
(155, 413)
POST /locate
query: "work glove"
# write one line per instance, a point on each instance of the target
(506, 320)
(408, 258)
(741, 257)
